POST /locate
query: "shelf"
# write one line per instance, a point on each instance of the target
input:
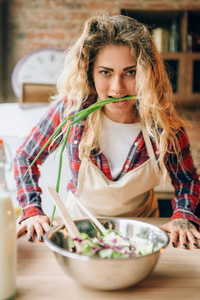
(160, 18)
(183, 66)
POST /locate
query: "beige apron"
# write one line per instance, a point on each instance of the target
(130, 196)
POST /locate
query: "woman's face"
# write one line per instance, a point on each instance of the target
(114, 77)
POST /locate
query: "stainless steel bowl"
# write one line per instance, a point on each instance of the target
(107, 274)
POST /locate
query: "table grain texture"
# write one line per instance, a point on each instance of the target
(39, 277)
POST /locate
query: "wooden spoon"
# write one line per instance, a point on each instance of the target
(67, 220)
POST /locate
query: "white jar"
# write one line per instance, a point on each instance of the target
(8, 247)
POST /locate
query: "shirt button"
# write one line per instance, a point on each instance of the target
(126, 166)
(136, 143)
(75, 142)
(157, 152)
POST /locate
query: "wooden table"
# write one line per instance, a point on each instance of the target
(39, 277)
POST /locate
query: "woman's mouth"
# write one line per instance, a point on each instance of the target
(110, 97)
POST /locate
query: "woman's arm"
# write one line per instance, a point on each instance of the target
(28, 191)
(185, 181)
(184, 225)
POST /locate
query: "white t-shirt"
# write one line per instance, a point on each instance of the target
(116, 141)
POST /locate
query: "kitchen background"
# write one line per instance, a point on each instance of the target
(26, 26)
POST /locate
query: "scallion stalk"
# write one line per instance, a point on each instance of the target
(78, 117)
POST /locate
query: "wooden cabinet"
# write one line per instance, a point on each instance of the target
(183, 66)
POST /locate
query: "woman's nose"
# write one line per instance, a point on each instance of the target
(117, 85)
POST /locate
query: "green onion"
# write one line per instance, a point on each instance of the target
(78, 117)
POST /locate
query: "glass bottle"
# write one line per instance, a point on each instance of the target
(174, 37)
(8, 239)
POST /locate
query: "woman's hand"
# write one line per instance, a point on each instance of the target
(183, 230)
(36, 224)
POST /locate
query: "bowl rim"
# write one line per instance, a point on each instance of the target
(85, 257)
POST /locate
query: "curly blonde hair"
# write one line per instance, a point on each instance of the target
(155, 98)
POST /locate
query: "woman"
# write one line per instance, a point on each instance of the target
(119, 153)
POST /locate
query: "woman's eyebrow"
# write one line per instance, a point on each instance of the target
(110, 69)
(128, 68)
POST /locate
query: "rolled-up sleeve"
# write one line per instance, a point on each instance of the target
(184, 179)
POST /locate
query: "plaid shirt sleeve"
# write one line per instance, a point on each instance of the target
(28, 191)
(185, 181)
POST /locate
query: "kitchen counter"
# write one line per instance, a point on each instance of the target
(39, 277)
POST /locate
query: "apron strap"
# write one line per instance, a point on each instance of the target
(148, 143)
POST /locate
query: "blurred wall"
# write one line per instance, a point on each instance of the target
(30, 25)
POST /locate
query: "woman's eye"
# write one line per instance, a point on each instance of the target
(131, 73)
(105, 73)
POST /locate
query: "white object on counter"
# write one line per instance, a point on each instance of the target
(8, 247)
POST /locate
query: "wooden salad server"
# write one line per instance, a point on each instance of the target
(67, 219)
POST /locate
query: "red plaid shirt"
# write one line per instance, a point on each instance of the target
(183, 175)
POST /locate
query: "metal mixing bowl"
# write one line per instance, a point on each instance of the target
(107, 274)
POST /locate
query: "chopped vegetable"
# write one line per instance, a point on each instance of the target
(112, 245)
